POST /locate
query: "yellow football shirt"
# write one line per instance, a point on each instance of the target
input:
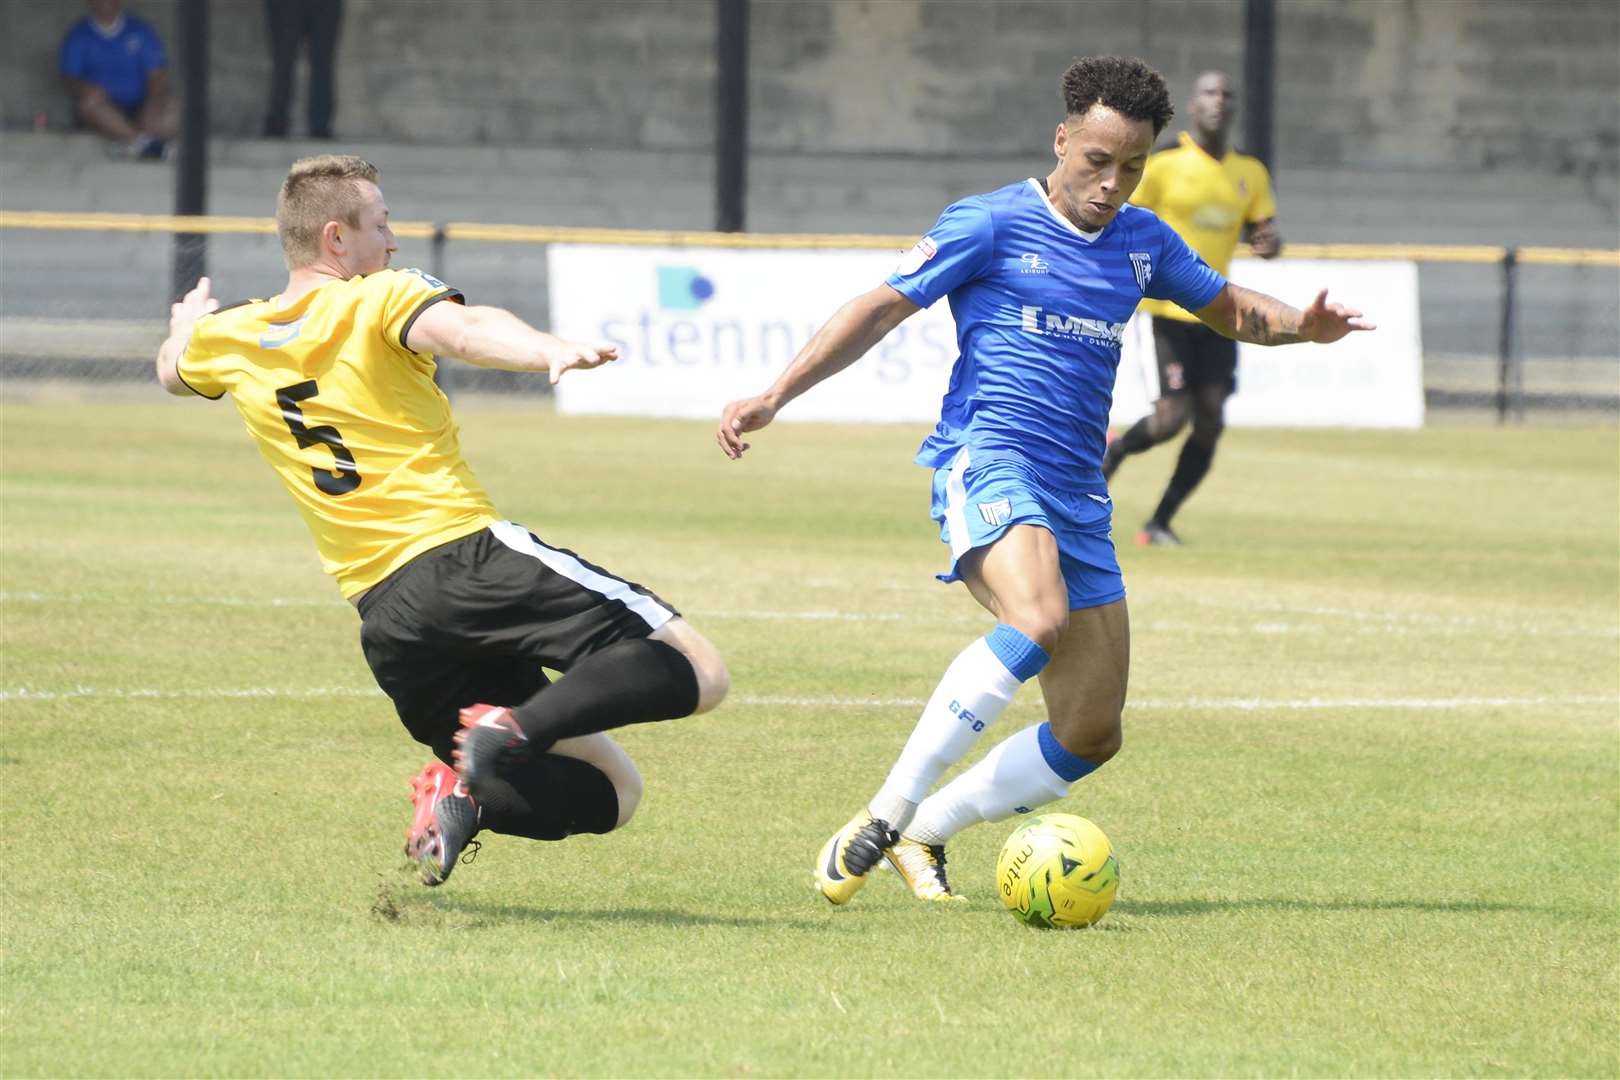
(1207, 202)
(348, 417)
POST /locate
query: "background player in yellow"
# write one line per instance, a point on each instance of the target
(1209, 194)
(459, 609)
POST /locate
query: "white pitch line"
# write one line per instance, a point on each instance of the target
(1245, 704)
(1420, 703)
(775, 701)
(151, 600)
(810, 616)
(1227, 704)
(209, 693)
(156, 600)
(1394, 620)
(1372, 622)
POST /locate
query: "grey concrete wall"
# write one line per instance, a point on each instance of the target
(1563, 312)
(1416, 84)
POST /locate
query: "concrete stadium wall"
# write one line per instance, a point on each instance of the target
(1409, 84)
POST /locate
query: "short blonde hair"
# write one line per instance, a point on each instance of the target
(318, 190)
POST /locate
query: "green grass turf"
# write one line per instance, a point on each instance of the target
(1368, 808)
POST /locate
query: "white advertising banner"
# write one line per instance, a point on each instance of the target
(697, 327)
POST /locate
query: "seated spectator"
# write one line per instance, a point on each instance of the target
(116, 69)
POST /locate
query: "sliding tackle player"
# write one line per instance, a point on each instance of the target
(459, 609)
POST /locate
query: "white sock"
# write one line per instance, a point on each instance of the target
(1013, 777)
(970, 696)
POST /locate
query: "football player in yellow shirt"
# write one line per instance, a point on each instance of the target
(459, 609)
(1209, 194)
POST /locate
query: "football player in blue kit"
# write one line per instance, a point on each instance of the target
(1041, 276)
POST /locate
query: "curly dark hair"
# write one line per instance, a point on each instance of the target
(1123, 83)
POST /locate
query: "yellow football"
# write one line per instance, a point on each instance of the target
(1057, 870)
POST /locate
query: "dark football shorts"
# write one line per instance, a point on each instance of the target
(1191, 354)
(474, 621)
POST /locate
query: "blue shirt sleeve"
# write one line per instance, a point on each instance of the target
(73, 61)
(956, 250)
(1182, 275)
(152, 54)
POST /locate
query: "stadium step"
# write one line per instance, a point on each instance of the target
(790, 192)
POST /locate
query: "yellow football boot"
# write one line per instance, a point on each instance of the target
(923, 867)
(849, 854)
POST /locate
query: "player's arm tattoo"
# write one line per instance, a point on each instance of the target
(1254, 317)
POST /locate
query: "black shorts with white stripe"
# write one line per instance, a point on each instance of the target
(474, 621)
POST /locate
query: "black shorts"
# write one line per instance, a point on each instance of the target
(1191, 354)
(474, 621)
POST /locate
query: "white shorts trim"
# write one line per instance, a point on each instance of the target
(956, 507)
(521, 540)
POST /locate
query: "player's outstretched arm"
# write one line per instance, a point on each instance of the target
(495, 338)
(842, 340)
(1246, 315)
(182, 317)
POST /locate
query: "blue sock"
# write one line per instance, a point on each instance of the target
(1023, 657)
(1065, 764)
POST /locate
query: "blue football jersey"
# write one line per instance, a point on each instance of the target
(119, 63)
(1040, 309)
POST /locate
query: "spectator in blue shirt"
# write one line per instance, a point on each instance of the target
(116, 69)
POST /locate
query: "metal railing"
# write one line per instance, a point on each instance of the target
(1510, 373)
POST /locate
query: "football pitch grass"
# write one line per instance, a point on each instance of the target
(1368, 807)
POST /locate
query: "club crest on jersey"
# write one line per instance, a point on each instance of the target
(912, 260)
(996, 513)
(1142, 263)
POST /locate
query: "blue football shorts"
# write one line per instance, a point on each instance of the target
(976, 503)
